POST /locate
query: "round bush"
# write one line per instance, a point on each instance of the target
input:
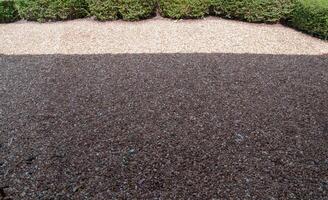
(268, 11)
(125, 9)
(50, 10)
(137, 9)
(311, 16)
(178, 9)
(8, 12)
(104, 9)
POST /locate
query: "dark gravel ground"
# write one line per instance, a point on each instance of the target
(164, 126)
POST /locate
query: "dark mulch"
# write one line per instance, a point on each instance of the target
(164, 126)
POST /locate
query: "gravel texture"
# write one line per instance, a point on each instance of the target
(164, 126)
(158, 35)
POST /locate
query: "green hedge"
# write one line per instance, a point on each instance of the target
(137, 9)
(268, 11)
(311, 16)
(125, 9)
(104, 9)
(8, 12)
(51, 10)
(178, 9)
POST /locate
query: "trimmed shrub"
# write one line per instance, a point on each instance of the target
(137, 9)
(311, 16)
(104, 9)
(125, 9)
(8, 12)
(268, 11)
(51, 10)
(178, 9)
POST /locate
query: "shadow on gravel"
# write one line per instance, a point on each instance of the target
(163, 126)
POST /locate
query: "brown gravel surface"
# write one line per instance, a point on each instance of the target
(157, 35)
(164, 126)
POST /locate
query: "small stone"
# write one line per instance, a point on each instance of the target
(76, 188)
(292, 195)
(30, 159)
(132, 151)
(239, 137)
(141, 181)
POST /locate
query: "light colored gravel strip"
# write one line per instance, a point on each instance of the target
(158, 35)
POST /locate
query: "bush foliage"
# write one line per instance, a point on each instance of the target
(50, 10)
(104, 9)
(8, 12)
(178, 9)
(125, 9)
(311, 16)
(268, 11)
(137, 9)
